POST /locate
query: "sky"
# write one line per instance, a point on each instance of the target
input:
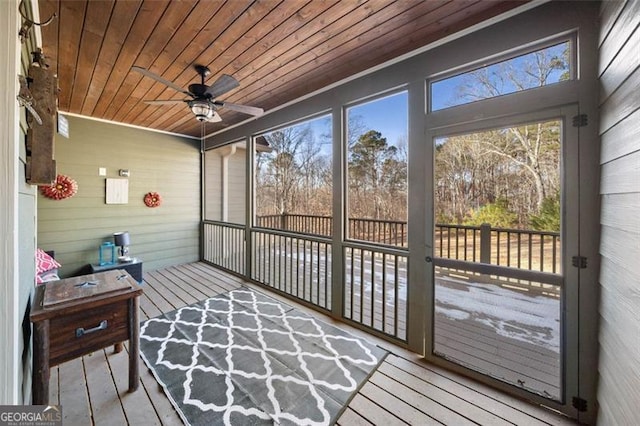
(388, 115)
(445, 92)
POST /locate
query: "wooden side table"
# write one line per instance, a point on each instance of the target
(79, 315)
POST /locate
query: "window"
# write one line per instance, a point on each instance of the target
(225, 183)
(293, 178)
(377, 155)
(506, 180)
(536, 69)
(497, 201)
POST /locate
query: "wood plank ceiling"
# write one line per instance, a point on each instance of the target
(277, 50)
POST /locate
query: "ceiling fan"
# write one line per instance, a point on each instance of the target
(203, 99)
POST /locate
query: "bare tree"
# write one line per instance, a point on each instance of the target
(375, 176)
(291, 175)
(526, 146)
(481, 168)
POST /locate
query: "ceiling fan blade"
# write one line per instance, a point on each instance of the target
(165, 102)
(222, 85)
(215, 118)
(160, 79)
(242, 108)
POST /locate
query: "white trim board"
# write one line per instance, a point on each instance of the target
(133, 126)
(9, 149)
(35, 29)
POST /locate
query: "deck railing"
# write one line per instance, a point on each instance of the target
(375, 288)
(526, 249)
(390, 232)
(297, 261)
(224, 245)
(297, 265)
(304, 224)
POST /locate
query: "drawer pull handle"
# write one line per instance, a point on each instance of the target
(81, 331)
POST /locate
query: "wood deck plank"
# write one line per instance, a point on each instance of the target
(373, 412)
(465, 355)
(405, 389)
(180, 293)
(106, 407)
(475, 329)
(218, 274)
(137, 406)
(211, 277)
(522, 365)
(441, 396)
(214, 288)
(502, 405)
(396, 406)
(73, 393)
(157, 299)
(500, 347)
(54, 387)
(146, 306)
(351, 418)
(168, 292)
(417, 405)
(192, 285)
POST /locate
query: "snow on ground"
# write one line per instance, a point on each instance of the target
(512, 314)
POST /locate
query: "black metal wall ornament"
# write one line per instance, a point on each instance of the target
(28, 23)
(25, 99)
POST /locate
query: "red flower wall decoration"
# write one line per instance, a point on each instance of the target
(152, 199)
(63, 187)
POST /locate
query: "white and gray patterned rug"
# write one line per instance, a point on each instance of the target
(244, 358)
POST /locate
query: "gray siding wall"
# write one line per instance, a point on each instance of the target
(619, 366)
(162, 236)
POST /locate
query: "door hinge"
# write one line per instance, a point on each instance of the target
(579, 403)
(580, 120)
(579, 262)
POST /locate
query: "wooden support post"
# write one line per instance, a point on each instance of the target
(134, 344)
(485, 243)
(41, 168)
(40, 382)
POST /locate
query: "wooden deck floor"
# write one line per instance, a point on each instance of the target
(404, 390)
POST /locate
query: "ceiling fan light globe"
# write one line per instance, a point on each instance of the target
(202, 110)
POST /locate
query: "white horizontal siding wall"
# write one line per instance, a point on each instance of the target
(237, 187)
(212, 185)
(234, 183)
(619, 69)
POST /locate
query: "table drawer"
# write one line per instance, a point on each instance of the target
(84, 332)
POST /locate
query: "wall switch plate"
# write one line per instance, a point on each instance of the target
(102, 171)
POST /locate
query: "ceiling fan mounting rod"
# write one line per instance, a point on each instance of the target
(203, 70)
